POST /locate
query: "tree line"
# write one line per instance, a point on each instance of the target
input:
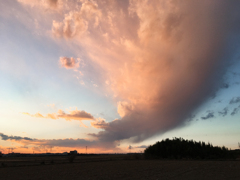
(179, 148)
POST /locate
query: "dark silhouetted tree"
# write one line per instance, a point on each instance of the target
(179, 148)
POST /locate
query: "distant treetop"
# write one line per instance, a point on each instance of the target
(178, 148)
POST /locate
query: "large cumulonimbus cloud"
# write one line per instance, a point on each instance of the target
(174, 64)
(160, 59)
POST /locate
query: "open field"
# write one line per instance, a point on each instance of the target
(114, 167)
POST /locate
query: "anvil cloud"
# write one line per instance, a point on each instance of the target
(161, 59)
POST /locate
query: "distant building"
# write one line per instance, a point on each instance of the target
(73, 152)
(64, 153)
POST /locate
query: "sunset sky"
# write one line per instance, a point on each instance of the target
(114, 74)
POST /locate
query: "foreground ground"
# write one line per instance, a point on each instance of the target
(116, 168)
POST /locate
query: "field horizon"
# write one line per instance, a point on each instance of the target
(116, 167)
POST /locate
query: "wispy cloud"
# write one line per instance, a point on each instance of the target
(224, 112)
(17, 138)
(142, 146)
(208, 116)
(234, 100)
(235, 110)
(51, 105)
(68, 142)
(72, 115)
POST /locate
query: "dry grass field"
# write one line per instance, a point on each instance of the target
(114, 167)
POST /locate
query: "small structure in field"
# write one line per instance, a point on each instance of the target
(13, 154)
(64, 153)
(74, 152)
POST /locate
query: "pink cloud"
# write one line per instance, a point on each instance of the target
(39, 3)
(99, 123)
(69, 63)
(76, 22)
(72, 25)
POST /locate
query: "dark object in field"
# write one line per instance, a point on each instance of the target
(71, 157)
(3, 164)
(179, 148)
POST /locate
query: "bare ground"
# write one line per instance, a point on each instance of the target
(114, 168)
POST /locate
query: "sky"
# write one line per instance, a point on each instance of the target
(117, 76)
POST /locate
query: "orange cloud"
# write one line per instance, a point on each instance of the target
(51, 116)
(34, 115)
(124, 108)
(75, 115)
(53, 3)
(51, 105)
(72, 115)
(99, 123)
